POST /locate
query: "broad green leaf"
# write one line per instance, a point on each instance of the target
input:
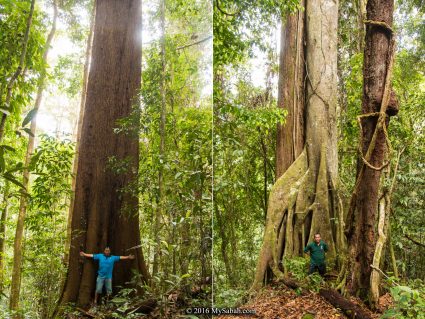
(7, 148)
(29, 117)
(12, 179)
(34, 159)
(27, 130)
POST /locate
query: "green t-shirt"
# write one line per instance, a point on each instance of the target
(317, 252)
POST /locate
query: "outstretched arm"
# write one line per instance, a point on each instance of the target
(126, 257)
(83, 254)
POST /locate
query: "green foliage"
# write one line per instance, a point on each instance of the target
(244, 150)
(46, 223)
(348, 125)
(407, 133)
(13, 24)
(315, 282)
(240, 25)
(408, 303)
(67, 74)
(184, 247)
(245, 120)
(298, 267)
(229, 298)
(48, 202)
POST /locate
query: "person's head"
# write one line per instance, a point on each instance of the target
(317, 238)
(107, 251)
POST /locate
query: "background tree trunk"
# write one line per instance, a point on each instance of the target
(3, 220)
(362, 215)
(303, 200)
(160, 211)
(291, 135)
(105, 209)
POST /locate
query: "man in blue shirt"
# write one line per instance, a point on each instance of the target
(106, 267)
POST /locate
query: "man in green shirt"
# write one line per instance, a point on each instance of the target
(317, 251)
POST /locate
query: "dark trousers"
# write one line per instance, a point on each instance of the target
(321, 268)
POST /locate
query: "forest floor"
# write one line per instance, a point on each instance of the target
(276, 301)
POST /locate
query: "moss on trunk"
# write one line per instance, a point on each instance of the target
(304, 199)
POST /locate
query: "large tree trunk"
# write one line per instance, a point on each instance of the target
(78, 129)
(302, 201)
(291, 135)
(17, 245)
(105, 210)
(361, 15)
(363, 212)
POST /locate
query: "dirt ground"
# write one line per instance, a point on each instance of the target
(278, 302)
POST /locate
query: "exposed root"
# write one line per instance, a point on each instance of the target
(298, 207)
(282, 194)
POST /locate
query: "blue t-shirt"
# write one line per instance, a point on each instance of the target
(106, 265)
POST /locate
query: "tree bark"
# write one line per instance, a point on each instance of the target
(303, 199)
(105, 209)
(291, 134)
(224, 248)
(161, 201)
(265, 173)
(3, 234)
(384, 209)
(18, 71)
(362, 215)
(361, 15)
(350, 309)
(392, 254)
(17, 245)
(79, 125)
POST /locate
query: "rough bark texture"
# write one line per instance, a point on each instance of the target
(361, 15)
(362, 216)
(290, 136)
(392, 254)
(104, 213)
(15, 285)
(383, 232)
(78, 129)
(303, 200)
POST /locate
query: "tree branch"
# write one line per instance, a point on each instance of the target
(224, 12)
(194, 43)
(414, 241)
